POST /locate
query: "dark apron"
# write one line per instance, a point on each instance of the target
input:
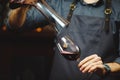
(89, 34)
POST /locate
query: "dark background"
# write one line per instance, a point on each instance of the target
(25, 55)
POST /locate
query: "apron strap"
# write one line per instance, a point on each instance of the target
(107, 12)
(72, 8)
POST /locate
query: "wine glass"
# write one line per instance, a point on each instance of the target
(68, 48)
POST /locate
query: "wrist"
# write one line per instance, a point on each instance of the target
(21, 10)
(107, 70)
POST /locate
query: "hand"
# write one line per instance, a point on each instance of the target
(92, 63)
(23, 1)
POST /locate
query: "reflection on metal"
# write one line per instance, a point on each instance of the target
(48, 12)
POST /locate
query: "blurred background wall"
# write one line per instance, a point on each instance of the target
(24, 55)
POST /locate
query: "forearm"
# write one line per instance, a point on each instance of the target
(115, 67)
(17, 17)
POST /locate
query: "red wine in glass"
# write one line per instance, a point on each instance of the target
(68, 48)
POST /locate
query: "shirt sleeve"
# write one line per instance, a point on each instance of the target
(34, 18)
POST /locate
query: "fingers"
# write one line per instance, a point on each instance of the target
(87, 59)
(91, 67)
(16, 1)
(90, 64)
(29, 1)
(22, 1)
